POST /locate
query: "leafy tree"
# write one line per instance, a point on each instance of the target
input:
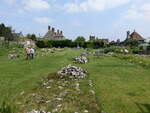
(80, 39)
(6, 32)
(32, 37)
(98, 44)
(132, 43)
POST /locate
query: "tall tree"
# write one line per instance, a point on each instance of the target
(32, 37)
(80, 39)
(6, 32)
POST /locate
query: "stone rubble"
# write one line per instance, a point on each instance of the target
(68, 90)
(48, 87)
(51, 50)
(45, 83)
(110, 54)
(98, 53)
(57, 100)
(35, 111)
(22, 93)
(54, 110)
(92, 92)
(81, 60)
(12, 56)
(86, 111)
(85, 53)
(48, 51)
(60, 87)
(72, 72)
(124, 51)
(63, 94)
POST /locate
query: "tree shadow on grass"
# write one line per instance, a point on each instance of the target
(144, 108)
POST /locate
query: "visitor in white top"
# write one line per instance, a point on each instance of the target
(32, 51)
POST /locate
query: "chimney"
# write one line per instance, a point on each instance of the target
(128, 34)
(61, 33)
(49, 28)
(53, 29)
(58, 32)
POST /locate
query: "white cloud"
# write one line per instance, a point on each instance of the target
(36, 5)
(94, 5)
(20, 11)
(146, 7)
(139, 11)
(9, 1)
(133, 14)
(43, 20)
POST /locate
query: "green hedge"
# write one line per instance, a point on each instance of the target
(69, 43)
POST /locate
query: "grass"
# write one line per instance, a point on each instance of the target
(60, 95)
(6, 108)
(120, 86)
(21, 75)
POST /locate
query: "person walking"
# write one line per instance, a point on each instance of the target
(32, 51)
(27, 52)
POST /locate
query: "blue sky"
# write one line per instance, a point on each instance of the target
(103, 18)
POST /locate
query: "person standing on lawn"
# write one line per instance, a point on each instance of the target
(32, 51)
(27, 52)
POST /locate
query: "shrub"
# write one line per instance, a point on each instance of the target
(40, 44)
(114, 49)
(132, 43)
(135, 50)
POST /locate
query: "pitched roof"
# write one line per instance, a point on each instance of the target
(49, 35)
(52, 35)
(136, 36)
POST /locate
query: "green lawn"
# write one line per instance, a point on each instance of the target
(21, 75)
(120, 87)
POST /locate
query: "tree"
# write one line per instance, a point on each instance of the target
(98, 44)
(6, 32)
(32, 37)
(80, 39)
(132, 43)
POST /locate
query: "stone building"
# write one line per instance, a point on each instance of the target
(92, 38)
(134, 36)
(17, 35)
(105, 40)
(53, 35)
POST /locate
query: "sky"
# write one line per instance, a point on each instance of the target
(101, 18)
